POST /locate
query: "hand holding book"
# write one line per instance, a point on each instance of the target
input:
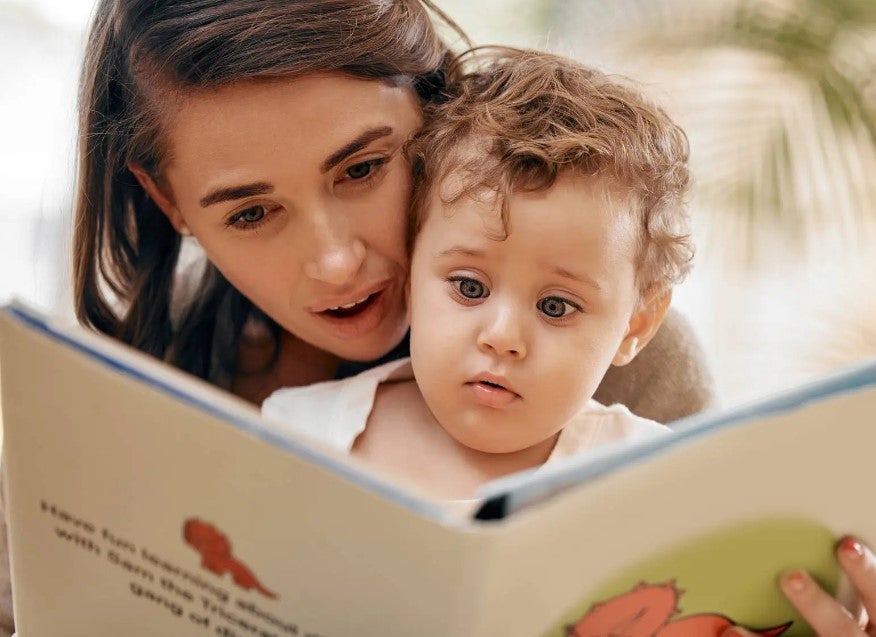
(820, 609)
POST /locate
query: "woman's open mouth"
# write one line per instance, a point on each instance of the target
(361, 315)
(352, 309)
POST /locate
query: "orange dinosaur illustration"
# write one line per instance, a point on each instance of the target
(649, 610)
(216, 557)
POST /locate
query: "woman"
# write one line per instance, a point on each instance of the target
(271, 131)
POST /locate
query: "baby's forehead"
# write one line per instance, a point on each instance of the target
(546, 240)
(592, 204)
(462, 180)
(462, 168)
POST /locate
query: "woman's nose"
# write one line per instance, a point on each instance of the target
(337, 256)
(503, 335)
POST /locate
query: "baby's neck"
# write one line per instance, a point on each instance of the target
(403, 438)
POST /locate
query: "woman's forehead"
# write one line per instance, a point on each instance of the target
(302, 119)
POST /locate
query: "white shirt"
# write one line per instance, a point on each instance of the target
(335, 413)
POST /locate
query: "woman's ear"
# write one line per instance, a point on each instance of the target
(643, 325)
(161, 200)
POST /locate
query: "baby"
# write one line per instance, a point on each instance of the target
(548, 228)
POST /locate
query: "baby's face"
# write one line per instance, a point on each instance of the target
(510, 338)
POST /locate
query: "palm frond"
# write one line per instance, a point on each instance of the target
(779, 100)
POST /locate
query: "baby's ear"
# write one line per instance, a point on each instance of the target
(643, 325)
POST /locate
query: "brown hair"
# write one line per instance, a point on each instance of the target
(533, 116)
(139, 53)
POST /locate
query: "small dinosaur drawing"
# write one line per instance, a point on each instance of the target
(216, 557)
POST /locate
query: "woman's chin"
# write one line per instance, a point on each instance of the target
(369, 346)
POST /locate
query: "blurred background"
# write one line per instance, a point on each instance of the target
(778, 98)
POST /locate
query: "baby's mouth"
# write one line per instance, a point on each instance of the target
(489, 392)
(493, 383)
(495, 388)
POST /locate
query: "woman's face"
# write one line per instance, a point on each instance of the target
(298, 192)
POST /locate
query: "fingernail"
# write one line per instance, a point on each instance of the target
(850, 547)
(732, 632)
(794, 581)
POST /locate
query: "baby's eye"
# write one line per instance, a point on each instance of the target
(556, 307)
(470, 288)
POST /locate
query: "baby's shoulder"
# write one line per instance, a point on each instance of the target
(397, 426)
(616, 421)
(398, 401)
(597, 424)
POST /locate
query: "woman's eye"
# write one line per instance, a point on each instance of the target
(252, 215)
(470, 288)
(250, 218)
(362, 170)
(556, 307)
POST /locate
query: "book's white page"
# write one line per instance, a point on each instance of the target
(224, 406)
(134, 509)
(95, 439)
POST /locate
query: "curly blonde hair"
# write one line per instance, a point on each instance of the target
(532, 116)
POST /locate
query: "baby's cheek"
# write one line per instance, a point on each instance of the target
(563, 397)
(429, 360)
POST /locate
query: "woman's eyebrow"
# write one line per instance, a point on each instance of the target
(236, 192)
(356, 145)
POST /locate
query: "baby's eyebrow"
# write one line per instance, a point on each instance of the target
(461, 251)
(579, 277)
(354, 146)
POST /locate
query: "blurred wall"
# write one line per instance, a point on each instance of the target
(39, 73)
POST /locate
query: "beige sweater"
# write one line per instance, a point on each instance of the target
(669, 379)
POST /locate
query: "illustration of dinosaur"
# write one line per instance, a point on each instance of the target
(216, 557)
(650, 610)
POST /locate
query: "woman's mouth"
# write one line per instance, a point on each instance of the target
(352, 309)
(361, 315)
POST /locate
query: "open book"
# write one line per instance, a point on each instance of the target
(141, 501)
